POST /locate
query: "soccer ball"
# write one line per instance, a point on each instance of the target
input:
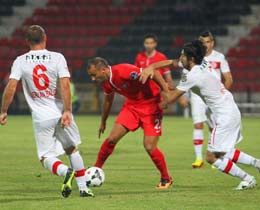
(95, 176)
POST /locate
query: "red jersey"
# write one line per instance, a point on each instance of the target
(143, 61)
(124, 79)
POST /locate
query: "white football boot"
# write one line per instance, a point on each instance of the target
(244, 185)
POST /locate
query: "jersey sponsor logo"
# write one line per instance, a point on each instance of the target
(133, 75)
(37, 58)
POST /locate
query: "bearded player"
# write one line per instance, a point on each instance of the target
(226, 133)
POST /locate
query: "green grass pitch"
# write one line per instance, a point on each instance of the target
(130, 175)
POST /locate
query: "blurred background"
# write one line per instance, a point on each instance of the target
(114, 29)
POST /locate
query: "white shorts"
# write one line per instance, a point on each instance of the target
(51, 138)
(227, 132)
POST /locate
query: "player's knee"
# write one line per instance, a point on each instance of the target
(70, 150)
(112, 139)
(149, 147)
(210, 158)
(198, 126)
(42, 160)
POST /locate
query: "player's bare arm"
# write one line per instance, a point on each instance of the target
(174, 95)
(7, 99)
(66, 96)
(164, 88)
(168, 79)
(149, 71)
(228, 80)
(106, 107)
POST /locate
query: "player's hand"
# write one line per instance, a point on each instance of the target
(146, 74)
(176, 63)
(164, 102)
(3, 118)
(66, 119)
(101, 129)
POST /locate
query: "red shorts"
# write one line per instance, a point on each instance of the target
(145, 115)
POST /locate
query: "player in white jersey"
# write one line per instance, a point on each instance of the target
(200, 113)
(226, 132)
(46, 86)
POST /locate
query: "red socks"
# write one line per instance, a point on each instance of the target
(106, 149)
(158, 159)
(156, 155)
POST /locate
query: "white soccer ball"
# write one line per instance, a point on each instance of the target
(95, 176)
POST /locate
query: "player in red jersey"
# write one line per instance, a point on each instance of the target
(141, 109)
(149, 56)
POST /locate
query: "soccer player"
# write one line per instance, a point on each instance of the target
(46, 86)
(200, 113)
(141, 109)
(150, 55)
(226, 132)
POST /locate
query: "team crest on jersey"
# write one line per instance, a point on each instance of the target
(133, 75)
(184, 77)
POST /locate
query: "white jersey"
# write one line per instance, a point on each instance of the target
(40, 71)
(205, 84)
(217, 63)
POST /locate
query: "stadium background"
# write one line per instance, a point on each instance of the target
(114, 29)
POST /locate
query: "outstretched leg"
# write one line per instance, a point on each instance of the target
(108, 146)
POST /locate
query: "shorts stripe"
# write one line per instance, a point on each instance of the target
(213, 135)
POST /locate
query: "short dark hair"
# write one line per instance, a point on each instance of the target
(98, 62)
(34, 34)
(207, 34)
(151, 36)
(195, 49)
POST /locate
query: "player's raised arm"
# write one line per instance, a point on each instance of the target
(149, 71)
(7, 99)
(106, 107)
(66, 96)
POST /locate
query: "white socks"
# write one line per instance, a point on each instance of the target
(77, 164)
(55, 166)
(227, 166)
(198, 137)
(240, 157)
